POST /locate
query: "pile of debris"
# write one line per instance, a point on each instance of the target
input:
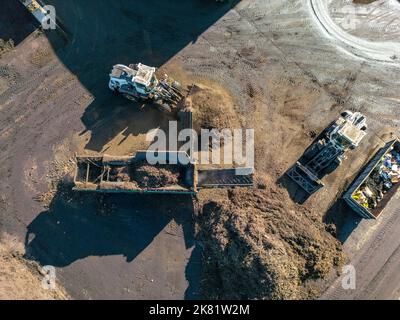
(384, 177)
(212, 108)
(149, 176)
(59, 172)
(258, 245)
(119, 174)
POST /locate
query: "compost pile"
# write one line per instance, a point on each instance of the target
(383, 179)
(212, 108)
(258, 246)
(148, 176)
(120, 174)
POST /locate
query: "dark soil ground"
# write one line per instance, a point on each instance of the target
(54, 102)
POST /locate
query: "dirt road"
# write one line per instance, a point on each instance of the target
(288, 80)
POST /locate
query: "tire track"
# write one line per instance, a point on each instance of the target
(377, 51)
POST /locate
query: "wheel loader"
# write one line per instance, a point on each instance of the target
(138, 82)
(325, 155)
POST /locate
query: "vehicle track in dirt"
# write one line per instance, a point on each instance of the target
(377, 51)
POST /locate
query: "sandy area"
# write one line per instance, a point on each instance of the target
(22, 279)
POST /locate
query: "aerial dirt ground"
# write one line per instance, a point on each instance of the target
(289, 69)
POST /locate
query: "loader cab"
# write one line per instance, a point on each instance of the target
(135, 79)
(140, 88)
(348, 135)
(344, 142)
(145, 79)
(143, 89)
(348, 131)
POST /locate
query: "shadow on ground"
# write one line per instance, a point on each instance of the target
(344, 219)
(339, 214)
(79, 225)
(99, 34)
(296, 193)
(16, 22)
(103, 33)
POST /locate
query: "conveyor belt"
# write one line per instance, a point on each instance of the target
(225, 177)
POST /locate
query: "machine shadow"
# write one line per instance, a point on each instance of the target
(98, 34)
(296, 193)
(101, 34)
(79, 225)
(16, 22)
(343, 218)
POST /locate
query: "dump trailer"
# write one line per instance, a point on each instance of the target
(378, 182)
(325, 155)
(138, 82)
(134, 174)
